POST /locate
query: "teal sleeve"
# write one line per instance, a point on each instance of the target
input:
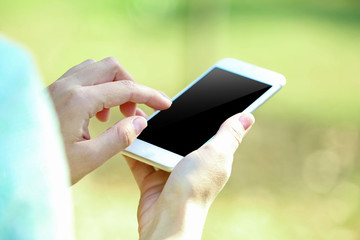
(35, 200)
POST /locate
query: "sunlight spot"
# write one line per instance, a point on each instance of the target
(321, 171)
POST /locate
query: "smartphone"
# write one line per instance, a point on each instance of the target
(229, 87)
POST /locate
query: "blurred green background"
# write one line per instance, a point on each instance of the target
(297, 173)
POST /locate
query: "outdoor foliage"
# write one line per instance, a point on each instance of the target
(297, 173)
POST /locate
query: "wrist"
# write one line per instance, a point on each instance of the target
(183, 220)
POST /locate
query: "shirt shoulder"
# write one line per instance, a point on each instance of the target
(35, 201)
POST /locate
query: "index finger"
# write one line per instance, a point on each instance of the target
(113, 94)
(106, 70)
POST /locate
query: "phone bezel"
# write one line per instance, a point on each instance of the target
(167, 160)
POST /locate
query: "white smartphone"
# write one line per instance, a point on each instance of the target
(229, 87)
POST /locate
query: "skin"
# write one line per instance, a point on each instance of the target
(172, 205)
(88, 90)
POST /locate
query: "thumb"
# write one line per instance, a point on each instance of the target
(205, 171)
(231, 133)
(116, 138)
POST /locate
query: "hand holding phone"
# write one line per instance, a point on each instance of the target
(229, 87)
(175, 205)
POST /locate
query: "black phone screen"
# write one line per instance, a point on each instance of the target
(196, 115)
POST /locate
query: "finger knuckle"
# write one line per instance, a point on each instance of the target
(130, 87)
(113, 62)
(215, 151)
(75, 93)
(128, 83)
(124, 135)
(54, 87)
(238, 134)
(75, 97)
(90, 60)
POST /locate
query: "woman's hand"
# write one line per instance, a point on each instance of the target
(174, 206)
(90, 89)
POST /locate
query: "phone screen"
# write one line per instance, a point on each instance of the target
(196, 115)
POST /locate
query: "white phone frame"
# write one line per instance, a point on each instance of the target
(167, 160)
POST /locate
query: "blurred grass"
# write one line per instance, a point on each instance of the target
(296, 175)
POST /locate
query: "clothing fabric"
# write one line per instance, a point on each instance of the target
(35, 200)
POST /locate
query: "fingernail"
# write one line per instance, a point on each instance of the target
(139, 124)
(247, 120)
(166, 96)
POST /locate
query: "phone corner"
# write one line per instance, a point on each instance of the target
(282, 80)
